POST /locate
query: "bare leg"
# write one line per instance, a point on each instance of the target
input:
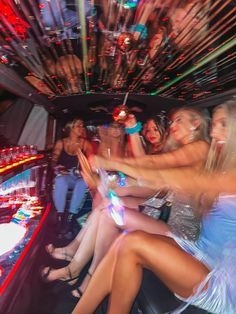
(137, 221)
(70, 249)
(82, 255)
(164, 257)
(97, 200)
(108, 231)
(135, 191)
(100, 284)
(132, 202)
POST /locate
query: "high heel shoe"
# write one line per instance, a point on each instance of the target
(45, 274)
(63, 255)
(77, 293)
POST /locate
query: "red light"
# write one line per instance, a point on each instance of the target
(15, 164)
(26, 249)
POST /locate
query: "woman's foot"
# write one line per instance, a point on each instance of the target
(77, 293)
(62, 274)
(59, 253)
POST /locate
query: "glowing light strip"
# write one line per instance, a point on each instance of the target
(204, 61)
(25, 251)
(205, 37)
(83, 40)
(195, 47)
(18, 163)
(220, 65)
(195, 51)
(163, 49)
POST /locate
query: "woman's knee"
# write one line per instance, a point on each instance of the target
(104, 216)
(130, 242)
(136, 242)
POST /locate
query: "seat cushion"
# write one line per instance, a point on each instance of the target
(156, 298)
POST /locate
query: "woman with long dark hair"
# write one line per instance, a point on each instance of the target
(200, 273)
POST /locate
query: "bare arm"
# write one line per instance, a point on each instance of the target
(56, 152)
(88, 148)
(187, 179)
(188, 155)
(134, 139)
(192, 181)
(136, 145)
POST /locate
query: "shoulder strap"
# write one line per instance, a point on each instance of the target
(83, 145)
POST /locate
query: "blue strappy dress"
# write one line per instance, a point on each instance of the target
(216, 248)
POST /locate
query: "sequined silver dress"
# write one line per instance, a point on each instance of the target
(182, 220)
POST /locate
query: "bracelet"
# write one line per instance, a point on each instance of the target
(140, 28)
(122, 179)
(135, 129)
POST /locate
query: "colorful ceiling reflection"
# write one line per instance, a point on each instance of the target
(173, 48)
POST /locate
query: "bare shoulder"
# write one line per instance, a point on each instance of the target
(87, 143)
(87, 147)
(202, 144)
(199, 145)
(59, 143)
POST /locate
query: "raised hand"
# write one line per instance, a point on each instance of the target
(98, 162)
(130, 121)
(88, 175)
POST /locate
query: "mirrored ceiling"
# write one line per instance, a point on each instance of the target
(173, 48)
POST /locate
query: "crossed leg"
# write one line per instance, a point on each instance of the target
(129, 255)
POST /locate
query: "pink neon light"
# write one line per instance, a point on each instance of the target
(25, 251)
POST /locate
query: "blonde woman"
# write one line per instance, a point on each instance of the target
(201, 273)
(65, 162)
(101, 231)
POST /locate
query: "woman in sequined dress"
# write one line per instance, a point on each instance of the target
(188, 128)
(200, 273)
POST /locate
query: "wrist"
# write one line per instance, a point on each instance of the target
(135, 129)
(140, 28)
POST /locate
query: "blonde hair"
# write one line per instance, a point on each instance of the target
(223, 160)
(69, 125)
(226, 158)
(200, 133)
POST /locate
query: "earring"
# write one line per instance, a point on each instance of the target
(191, 136)
(193, 128)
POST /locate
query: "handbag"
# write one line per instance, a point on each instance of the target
(156, 207)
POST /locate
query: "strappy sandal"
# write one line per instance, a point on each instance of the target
(63, 255)
(71, 280)
(77, 293)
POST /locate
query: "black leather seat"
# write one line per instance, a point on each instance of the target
(156, 298)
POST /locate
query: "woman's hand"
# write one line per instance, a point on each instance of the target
(97, 162)
(131, 121)
(92, 180)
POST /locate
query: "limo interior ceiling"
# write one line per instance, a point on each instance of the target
(61, 59)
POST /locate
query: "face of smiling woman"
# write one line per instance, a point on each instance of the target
(182, 127)
(218, 127)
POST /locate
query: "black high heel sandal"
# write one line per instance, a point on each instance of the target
(50, 249)
(78, 291)
(45, 275)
